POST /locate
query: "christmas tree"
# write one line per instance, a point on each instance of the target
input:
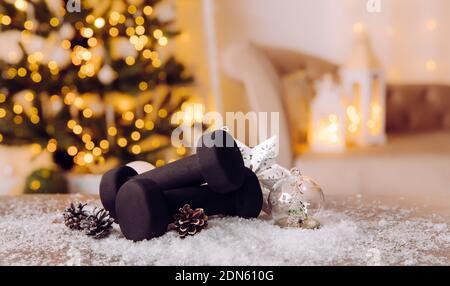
(95, 86)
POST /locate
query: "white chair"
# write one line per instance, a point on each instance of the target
(246, 64)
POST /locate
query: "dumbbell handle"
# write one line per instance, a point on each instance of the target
(200, 197)
(184, 172)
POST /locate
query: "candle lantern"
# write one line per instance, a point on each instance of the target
(327, 132)
(364, 86)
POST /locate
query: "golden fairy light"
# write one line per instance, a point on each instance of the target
(99, 22)
(87, 113)
(54, 22)
(69, 98)
(135, 135)
(122, 19)
(87, 32)
(130, 60)
(89, 145)
(132, 9)
(36, 77)
(77, 129)
(156, 63)
(90, 19)
(78, 102)
(114, 16)
(143, 86)
(21, 5)
(148, 10)
(34, 119)
(139, 20)
(52, 145)
(112, 131)
(96, 151)
(157, 33)
(35, 185)
(22, 72)
(104, 144)
(86, 138)
(134, 39)
(149, 125)
(113, 32)
(162, 41)
(71, 124)
(28, 25)
(18, 109)
(128, 116)
(72, 150)
(162, 113)
(92, 42)
(135, 149)
(11, 73)
(88, 158)
(146, 53)
(139, 123)
(122, 142)
(5, 20)
(130, 31)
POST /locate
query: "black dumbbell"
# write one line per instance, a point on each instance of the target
(218, 162)
(144, 209)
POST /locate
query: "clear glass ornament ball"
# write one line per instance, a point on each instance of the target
(295, 196)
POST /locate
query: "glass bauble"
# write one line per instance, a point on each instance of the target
(294, 199)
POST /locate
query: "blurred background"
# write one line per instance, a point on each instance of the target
(362, 87)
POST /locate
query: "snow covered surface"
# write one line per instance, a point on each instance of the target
(361, 231)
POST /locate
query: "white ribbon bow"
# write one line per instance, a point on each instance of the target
(261, 159)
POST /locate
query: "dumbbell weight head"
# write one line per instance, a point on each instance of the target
(114, 179)
(145, 210)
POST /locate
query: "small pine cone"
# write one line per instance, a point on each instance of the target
(74, 215)
(98, 224)
(189, 221)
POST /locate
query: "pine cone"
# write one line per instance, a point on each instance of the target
(74, 215)
(189, 221)
(98, 224)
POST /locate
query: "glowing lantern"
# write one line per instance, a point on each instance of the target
(364, 85)
(327, 131)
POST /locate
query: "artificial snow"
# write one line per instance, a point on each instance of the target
(32, 232)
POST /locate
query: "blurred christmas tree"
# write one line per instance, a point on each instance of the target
(95, 87)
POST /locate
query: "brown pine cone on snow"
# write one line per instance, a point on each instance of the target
(189, 221)
(74, 215)
(98, 224)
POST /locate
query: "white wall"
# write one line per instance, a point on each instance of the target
(324, 28)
